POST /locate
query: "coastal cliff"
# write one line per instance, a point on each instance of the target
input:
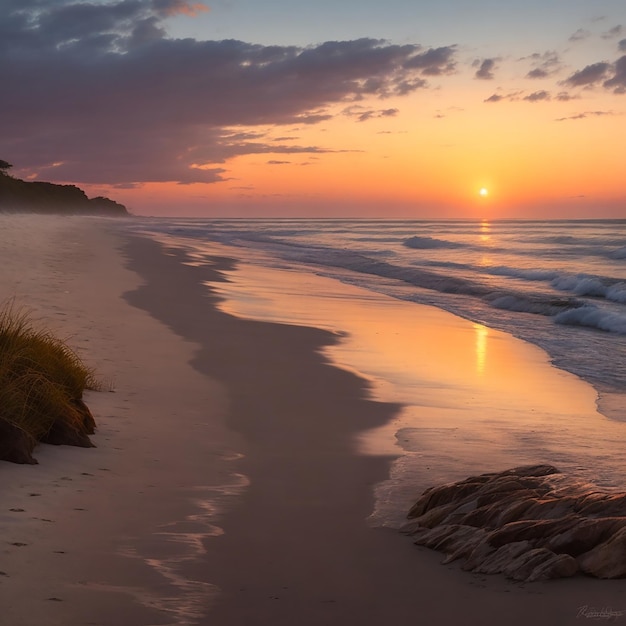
(21, 196)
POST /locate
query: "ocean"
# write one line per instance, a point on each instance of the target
(558, 285)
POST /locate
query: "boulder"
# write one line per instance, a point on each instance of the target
(607, 560)
(528, 523)
(16, 445)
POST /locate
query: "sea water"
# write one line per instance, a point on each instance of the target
(559, 285)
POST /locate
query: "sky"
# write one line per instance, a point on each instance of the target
(335, 108)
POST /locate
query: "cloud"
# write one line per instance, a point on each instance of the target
(613, 33)
(564, 96)
(586, 114)
(544, 65)
(618, 82)
(511, 97)
(363, 115)
(612, 76)
(485, 70)
(580, 35)
(434, 62)
(589, 75)
(537, 96)
(622, 45)
(104, 90)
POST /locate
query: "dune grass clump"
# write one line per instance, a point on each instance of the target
(42, 381)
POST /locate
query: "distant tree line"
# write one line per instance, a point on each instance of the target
(20, 196)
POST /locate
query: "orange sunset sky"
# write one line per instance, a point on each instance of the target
(241, 108)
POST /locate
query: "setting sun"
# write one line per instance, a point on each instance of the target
(483, 192)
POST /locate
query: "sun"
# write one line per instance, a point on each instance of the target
(484, 192)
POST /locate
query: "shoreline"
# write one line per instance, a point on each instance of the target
(473, 399)
(153, 521)
(317, 560)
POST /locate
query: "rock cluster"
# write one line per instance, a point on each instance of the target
(528, 523)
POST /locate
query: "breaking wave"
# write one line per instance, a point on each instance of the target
(593, 317)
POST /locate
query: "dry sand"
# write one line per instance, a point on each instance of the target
(157, 524)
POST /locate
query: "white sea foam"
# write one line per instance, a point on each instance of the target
(593, 317)
(581, 285)
(617, 293)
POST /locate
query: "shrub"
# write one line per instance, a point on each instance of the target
(41, 387)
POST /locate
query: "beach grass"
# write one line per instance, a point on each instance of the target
(42, 381)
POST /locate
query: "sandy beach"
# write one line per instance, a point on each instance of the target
(226, 488)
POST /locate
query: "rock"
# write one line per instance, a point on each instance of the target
(464, 543)
(522, 567)
(432, 498)
(585, 535)
(529, 523)
(603, 504)
(63, 433)
(607, 560)
(497, 561)
(87, 419)
(16, 445)
(559, 566)
(488, 515)
(531, 530)
(481, 551)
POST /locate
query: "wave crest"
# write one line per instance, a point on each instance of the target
(430, 243)
(593, 317)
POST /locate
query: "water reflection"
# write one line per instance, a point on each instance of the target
(482, 333)
(485, 232)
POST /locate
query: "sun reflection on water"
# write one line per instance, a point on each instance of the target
(482, 333)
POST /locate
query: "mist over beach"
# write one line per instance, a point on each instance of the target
(312, 313)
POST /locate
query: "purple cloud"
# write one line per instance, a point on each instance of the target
(586, 114)
(485, 71)
(537, 96)
(434, 62)
(589, 75)
(363, 115)
(102, 90)
(544, 65)
(618, 82)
